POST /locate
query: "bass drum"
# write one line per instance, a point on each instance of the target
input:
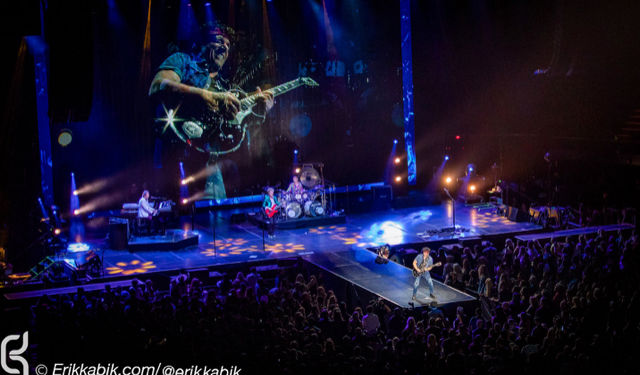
(283, 197)
(313, 208)
(293, 210)
(307, 196)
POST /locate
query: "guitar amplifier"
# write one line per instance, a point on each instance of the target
(382, 197)
(514, 214)
(118, 233)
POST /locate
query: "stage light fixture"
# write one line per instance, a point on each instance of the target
(397, 160)
(57, 231)
(398, 178)
(295, 152)
(76, 192)
(297, 171)
(185, 201)
(448, 180)
(395, 141)
(76, 212)
(446, 158)
(472, 188)
(65, 137)
(458, 137)
(184, 182)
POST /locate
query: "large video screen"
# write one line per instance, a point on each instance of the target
(225, 98)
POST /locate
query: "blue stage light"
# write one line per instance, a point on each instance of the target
(295, 152)
(395, 141)
(77, 247)
(446, 158)
(207, 4)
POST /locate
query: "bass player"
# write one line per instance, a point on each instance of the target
(270, 206)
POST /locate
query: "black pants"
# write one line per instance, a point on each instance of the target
(271, 224)
(154, 224)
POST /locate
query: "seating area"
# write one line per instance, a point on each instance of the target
(557, 307)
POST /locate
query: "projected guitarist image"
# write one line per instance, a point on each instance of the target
(202, 111)
(422, 264)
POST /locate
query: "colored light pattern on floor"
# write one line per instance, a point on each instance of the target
(228, 246)
(284, 248)
(78, 247)
(236, 246)
(488, 218)
(390, 232)
(422, 215)
(387, 232)
(130, 268)
(330, 230)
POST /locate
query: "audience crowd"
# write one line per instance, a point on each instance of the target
(569, 306)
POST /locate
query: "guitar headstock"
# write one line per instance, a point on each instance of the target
(308, 81)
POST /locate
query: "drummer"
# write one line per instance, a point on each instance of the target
(295, 187)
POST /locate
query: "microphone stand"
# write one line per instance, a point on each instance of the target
(213, 218)
(453, 210)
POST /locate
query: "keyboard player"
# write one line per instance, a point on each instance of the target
(146, 211)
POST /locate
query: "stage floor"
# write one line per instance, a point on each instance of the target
(391, 281)
(245, 242)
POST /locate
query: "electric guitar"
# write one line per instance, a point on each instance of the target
(207, 131)
(424, 269)
(270, 211)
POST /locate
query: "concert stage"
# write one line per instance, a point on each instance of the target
(342, 249)
(303, 222)
(172, 240)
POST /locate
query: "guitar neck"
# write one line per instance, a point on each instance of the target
(425, 268)
(250, 101)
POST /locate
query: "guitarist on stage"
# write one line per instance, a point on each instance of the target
(270, 206)
(422, 264)
(195, 79)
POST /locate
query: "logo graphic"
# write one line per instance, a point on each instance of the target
(15, 354)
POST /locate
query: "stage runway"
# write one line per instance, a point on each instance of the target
(391, 281)
(244, 242)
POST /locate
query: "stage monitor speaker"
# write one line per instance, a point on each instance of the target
(382, 197)
(356, 201)
(118, 233)
(512, 213)
(515, 214)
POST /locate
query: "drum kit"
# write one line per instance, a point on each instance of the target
(309, 202)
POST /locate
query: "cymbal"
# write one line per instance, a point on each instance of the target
(309, 177)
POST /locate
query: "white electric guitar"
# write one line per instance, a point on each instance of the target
(207, 131)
